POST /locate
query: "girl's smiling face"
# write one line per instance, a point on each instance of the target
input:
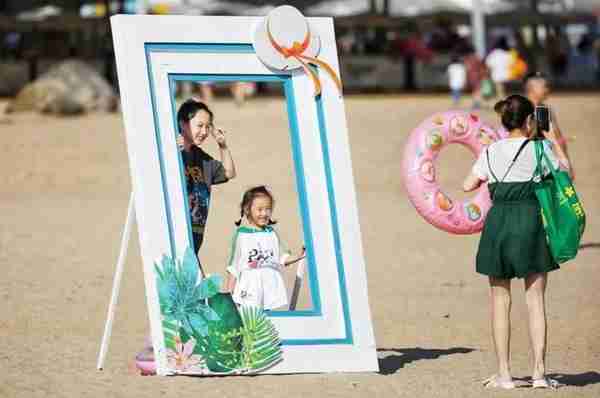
(259, 213)
(199, 127)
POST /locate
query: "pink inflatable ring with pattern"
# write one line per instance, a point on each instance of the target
(418, 168)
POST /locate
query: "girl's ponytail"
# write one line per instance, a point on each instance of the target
(239, 222)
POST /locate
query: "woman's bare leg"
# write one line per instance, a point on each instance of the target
(535, 288)
(500, 311)
(500, 90)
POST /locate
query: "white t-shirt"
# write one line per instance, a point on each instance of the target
(501, 154)
(499, 63)
(457, 76)
(256, 262)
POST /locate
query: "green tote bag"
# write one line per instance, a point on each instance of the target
(562, 212)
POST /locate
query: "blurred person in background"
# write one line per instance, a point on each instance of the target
(198, 91)
(457, 78)
(206, 92)
(242, 90)
(557, 53)
(476, 72)
(584, 59)
(537, 90)
(499, 61)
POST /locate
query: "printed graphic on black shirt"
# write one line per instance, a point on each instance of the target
(198, 196)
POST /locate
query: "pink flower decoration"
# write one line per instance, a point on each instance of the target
(182, 359)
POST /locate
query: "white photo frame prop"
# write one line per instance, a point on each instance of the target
(152, 54)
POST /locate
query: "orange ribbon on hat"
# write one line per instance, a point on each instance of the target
(297, 51)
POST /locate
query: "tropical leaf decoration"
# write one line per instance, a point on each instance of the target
(170, 331)
(200, 319)
(182, 299)
(252, 347)
(222, 346)
(261, 347)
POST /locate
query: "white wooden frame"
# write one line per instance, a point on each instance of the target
(154, 51)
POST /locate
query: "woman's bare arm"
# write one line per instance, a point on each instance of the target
(471, 183)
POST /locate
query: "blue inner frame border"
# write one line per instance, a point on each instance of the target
(298, 164)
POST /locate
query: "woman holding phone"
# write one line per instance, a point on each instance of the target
(513, 241)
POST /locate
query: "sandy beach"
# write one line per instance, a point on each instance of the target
(64, 188)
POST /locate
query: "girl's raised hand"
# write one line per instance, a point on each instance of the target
(219, 136)
(302, 253)
(289, 258)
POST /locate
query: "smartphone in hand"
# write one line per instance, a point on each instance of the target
(542, 118)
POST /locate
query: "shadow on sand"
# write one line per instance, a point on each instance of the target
(569, 380)
(392, 359)
(577, 380)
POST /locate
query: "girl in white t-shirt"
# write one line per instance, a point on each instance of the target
(257, 255)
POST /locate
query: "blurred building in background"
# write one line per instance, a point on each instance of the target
(384, 45)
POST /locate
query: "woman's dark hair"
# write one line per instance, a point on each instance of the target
(188, 110)
(514, 111)
(249, 197)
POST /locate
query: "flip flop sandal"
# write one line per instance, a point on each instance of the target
(495, 382)
(546, 382)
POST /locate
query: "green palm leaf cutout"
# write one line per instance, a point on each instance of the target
(243, 341)
(221, 347)
(261, 347)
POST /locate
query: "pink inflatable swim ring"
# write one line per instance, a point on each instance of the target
(144, 360)
(419, 170)
(146, 367)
